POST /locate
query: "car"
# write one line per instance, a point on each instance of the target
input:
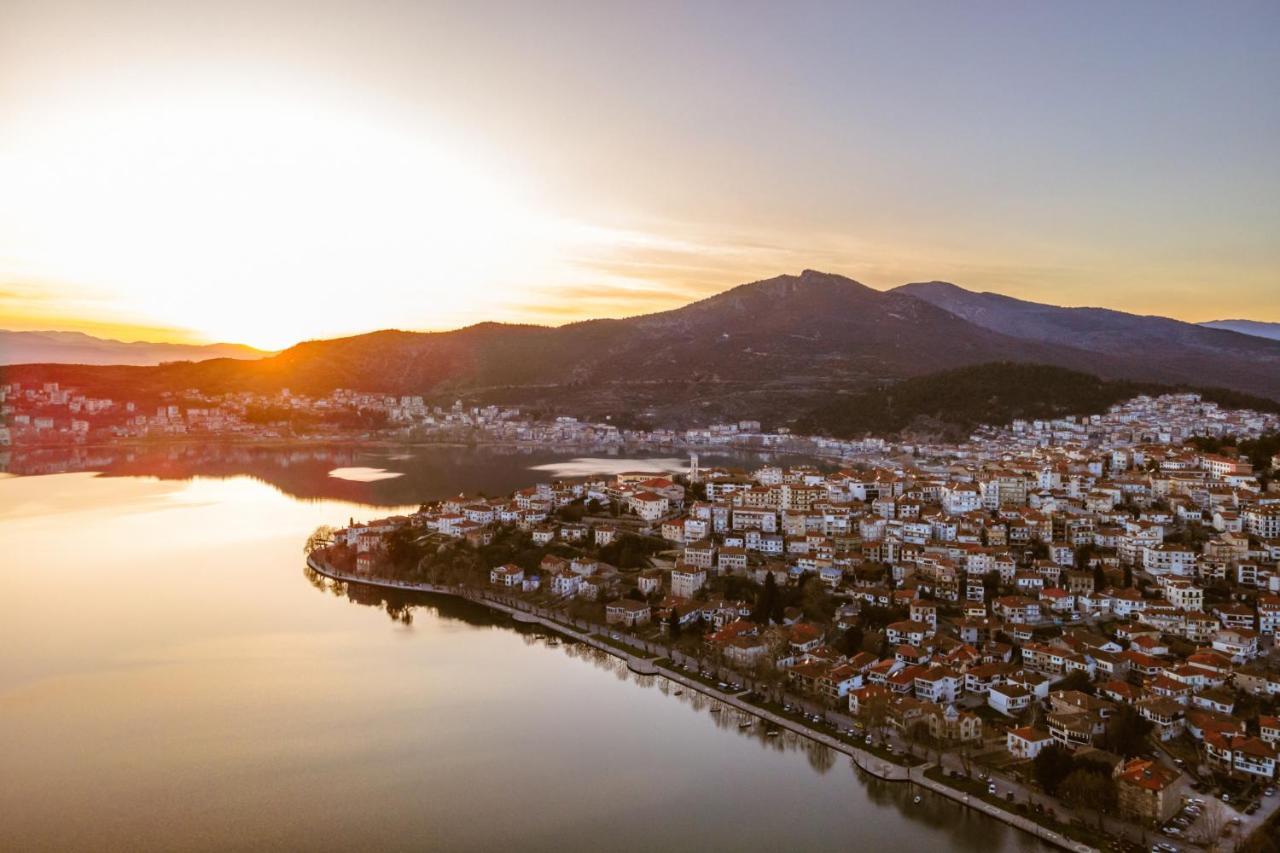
(991, 788)
(1226, 798)
(868, 740)
(1270, 792)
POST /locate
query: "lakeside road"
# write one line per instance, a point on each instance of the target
(864, 760)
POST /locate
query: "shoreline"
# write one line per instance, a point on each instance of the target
(392, 444)
(861, 759)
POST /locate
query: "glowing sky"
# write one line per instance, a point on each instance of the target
(266, 172)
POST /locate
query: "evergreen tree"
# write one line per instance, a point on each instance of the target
(767, 602)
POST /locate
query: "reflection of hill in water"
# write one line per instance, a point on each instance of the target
(968, 830)
(303, 472)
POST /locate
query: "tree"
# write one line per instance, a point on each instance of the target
(767, 601)
(1077, 680)
(630, 551)
(572, 513)
(851, 641)
(816, 603)
(1127, 732)
(1088, 789)
(1051, 766)
(965, 752)
(917, 733)
(1212, 822)
(876, 617)
(874, 713)
(321, 537)
(403, 550)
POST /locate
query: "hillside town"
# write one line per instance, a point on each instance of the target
(1084, 608)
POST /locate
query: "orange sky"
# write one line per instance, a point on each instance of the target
(270, 173)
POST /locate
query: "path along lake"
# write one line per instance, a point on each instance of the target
(173, 678)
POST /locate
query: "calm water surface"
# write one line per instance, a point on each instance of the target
(172, 679)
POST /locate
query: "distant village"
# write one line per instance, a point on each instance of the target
(1097, 589)
(50, 416)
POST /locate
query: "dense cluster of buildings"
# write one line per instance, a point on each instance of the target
(977, 578)
(48, 414)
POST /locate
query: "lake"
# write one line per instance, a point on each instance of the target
(173, 678)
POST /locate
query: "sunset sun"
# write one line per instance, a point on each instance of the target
(240, 216)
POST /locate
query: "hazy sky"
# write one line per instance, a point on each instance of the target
(265, 172)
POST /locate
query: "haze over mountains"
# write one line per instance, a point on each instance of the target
(1257, 328)
(780, 345)
(79, 348)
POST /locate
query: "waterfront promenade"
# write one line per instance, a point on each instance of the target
(864, 760)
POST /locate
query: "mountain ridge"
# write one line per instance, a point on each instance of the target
(769, 348)
(48, 346)
(1153, 347)
(1255, 328)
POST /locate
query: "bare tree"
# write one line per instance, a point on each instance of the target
(1212, 822)
(321, 537)
(965, 752)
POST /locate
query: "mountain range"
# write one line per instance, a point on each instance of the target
(1149, 348)
(79, 348)
(770, 349)
(1257, 328)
